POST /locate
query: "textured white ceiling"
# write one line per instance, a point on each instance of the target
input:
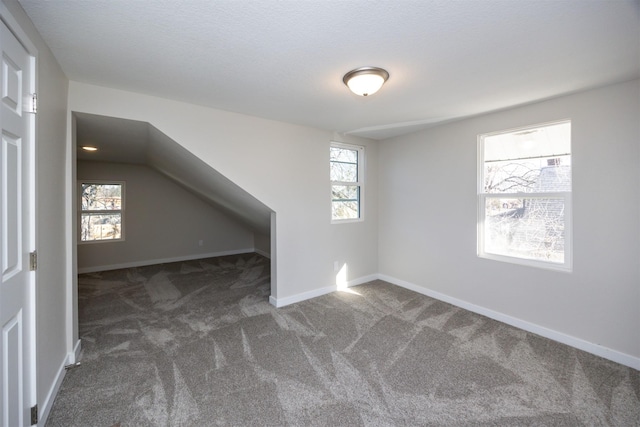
(284, 60)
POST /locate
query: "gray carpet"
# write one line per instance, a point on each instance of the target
(197, 344)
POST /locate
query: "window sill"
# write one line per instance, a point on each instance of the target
(91, 242)
(346, 221)
(565, 267)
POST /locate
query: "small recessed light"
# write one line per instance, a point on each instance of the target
(89, 148)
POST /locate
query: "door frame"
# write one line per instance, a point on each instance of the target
(26, 42)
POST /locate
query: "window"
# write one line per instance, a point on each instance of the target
(101, 211)
(346, 164)
(524, 196)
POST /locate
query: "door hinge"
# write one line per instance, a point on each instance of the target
(34, 414)
(33, 261)
(30, 103)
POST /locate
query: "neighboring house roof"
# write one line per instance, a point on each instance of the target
(537, 226)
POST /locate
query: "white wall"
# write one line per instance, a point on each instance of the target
(162, 222)
(428, 220)
(51, 350)
(284, 166)
(262, 243)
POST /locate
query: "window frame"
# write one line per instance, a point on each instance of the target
(359, 183)
(121, 211)
(565, 196)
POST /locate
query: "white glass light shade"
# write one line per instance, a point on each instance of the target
(365, 81)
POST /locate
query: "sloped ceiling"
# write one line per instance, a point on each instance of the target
(130, 141)
(284, 59)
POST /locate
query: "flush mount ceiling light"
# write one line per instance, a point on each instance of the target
(365, 81)
(89, 148)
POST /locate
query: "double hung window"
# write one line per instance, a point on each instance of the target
(101, 211)
(346, 171)
(524, 196)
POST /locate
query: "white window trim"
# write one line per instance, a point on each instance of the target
(567, 197)
(359, 183)
(80, 211)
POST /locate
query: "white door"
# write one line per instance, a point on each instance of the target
(16, 228)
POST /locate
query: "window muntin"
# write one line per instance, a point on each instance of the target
(524, 196)
(345, 166)
(101, 211)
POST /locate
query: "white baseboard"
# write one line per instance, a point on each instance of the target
(263, 253)
(589, 347)
(596, 349)
(162, 261)
(281, 302)
(362, 280)
(75, 356)
(45, 408)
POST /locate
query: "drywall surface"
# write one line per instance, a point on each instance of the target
(162, 221)
(51, 128)
(428, 219)
(262, 243)
(284, 166)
